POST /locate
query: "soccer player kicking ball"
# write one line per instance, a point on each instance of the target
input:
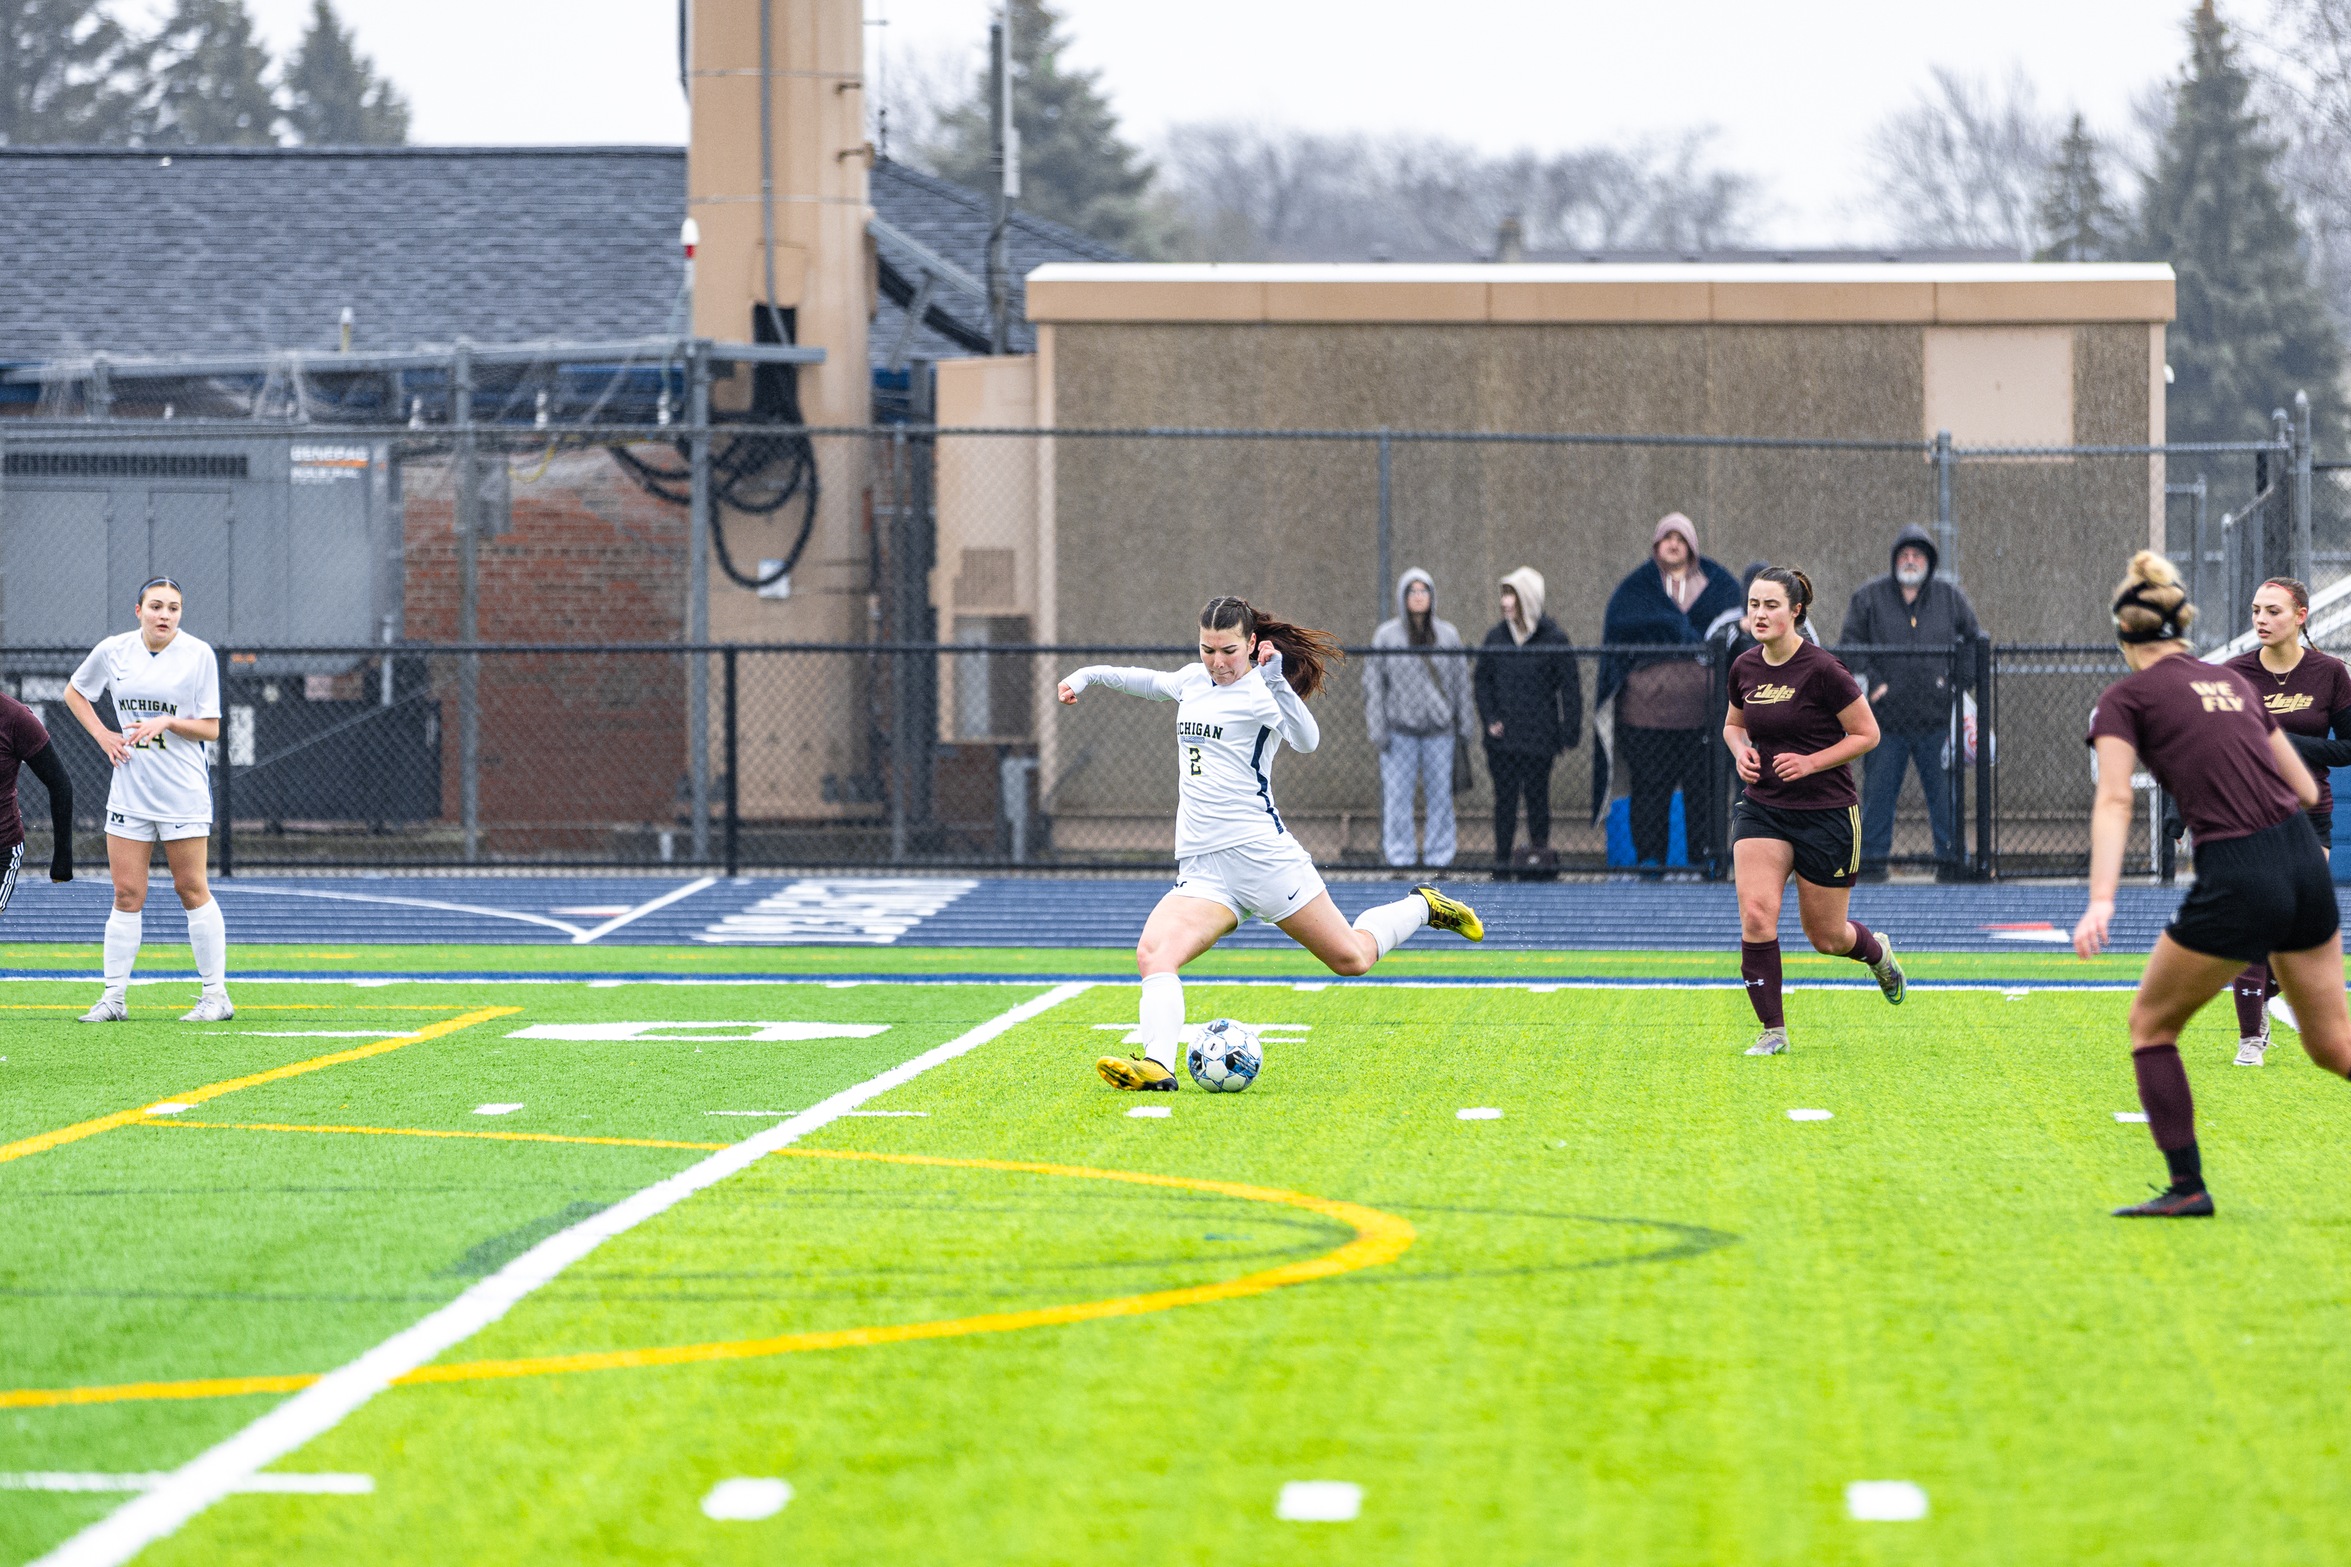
(2262, 889)
(1235, 858)
(1796, 722)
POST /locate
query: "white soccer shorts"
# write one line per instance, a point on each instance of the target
(1271, 881)
(148, 829)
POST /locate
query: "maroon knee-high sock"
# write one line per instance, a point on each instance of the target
(1759, 966)
(2171, 1110)
(1865, 948)
(2250, 991)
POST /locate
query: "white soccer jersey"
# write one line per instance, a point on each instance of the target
(1226, 737)
(169, 778)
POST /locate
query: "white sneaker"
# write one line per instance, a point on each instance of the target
(1771, 1042)
(110, 1009)
(2249, 1050)
(210, 1009)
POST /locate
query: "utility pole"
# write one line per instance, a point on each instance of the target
(1004, 159)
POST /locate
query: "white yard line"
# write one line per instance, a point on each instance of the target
(223, 1469)
(271, 1484)
(679, 895)
(566, 926)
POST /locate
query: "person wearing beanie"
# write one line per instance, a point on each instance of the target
(1653, 711)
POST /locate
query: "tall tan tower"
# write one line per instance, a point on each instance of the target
(788, 228)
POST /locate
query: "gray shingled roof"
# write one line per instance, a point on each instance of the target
(239, 250)
(954, 221)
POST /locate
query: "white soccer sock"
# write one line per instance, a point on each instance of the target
(122, 950)
(1392, 924)
(210, 939)
(1162, 1016)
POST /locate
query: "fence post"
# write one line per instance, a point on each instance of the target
(1718, 700)
(1379, 599)
(698, 594)
(469, 665)
(1986, 732)
(2305, 567)
(228, 814)
(1946, 530)
(734, 801)
(1951, 864)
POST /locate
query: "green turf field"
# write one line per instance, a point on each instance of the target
(1643, 1316)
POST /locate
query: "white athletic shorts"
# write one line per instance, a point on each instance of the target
(1269, 880)
(148, 829)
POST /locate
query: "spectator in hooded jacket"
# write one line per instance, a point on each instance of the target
(1531, 705)
(1416, 705)
(1909, 692)
(1655, 709)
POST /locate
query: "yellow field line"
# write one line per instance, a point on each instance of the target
(44, 1141)
(1379, 1238)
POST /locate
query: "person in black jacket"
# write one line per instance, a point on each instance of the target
(1531, 707)
(1910, 692)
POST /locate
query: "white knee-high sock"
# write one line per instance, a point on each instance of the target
(1392, 924)
(209, 936)
(1162, 1011)
(123, 932)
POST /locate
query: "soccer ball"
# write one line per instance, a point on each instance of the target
(1224, 1058)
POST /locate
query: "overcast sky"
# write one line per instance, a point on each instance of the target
(1793, 87)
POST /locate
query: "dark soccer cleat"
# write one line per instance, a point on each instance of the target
(1136, 1074)
(2170, 1204)
(1448, 914)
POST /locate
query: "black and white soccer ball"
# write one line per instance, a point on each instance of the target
(1225, 1056)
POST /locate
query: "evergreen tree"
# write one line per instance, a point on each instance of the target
(60, 74)
(2078, 223)
(205, 80)
(334, 96)
(1074, 166)
(2252, 329)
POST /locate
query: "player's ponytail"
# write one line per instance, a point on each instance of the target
(1799, 588)
(1306, 652)
(2150, 605)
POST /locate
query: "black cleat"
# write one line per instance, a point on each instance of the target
(2171, 1204)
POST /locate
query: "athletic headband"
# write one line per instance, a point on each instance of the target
(2169, 631)
(159, 582)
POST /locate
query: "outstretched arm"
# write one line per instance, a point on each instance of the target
(1150, 683)
(46, 767)
(1298, 729)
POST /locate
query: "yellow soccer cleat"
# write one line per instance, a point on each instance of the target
(1136, 1074)
(1446, 914)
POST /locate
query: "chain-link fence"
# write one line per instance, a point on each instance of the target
(958, 756)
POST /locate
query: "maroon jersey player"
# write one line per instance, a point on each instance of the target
(1795, 724)
(2309, 694)
(2262, 888)
(25, 744)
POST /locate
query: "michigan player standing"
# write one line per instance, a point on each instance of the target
(1235, 709)
(2262, 889)
(167, 688)
(1796, 721)
(2309, 694)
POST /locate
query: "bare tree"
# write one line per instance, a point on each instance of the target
(1256, 192)
(2302, 64)
(1967, 164)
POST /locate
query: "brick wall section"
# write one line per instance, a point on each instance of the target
(590, 557)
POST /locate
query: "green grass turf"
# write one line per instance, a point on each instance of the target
(1647, 1318)
(1444, 962)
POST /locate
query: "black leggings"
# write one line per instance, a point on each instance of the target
(1520, 775)
(1656, 761)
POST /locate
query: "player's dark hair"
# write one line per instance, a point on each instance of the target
(2150, 604)
(1799, 588)
(157, 582)
(1305, 651)
(2294, 589)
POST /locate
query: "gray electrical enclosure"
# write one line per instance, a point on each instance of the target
(274, 542)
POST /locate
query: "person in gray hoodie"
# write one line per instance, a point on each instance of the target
(1914, 619)
(1416, 706)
